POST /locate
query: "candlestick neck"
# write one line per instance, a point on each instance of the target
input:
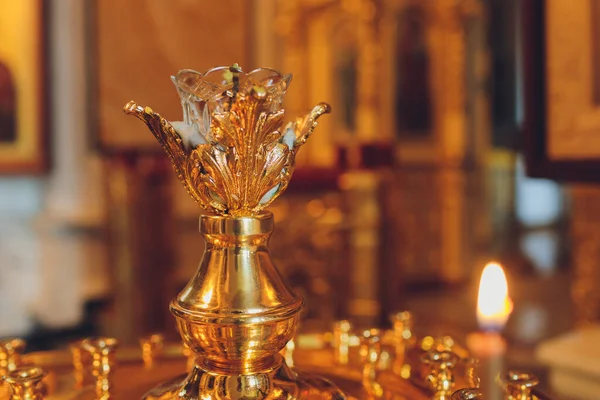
(236, 313)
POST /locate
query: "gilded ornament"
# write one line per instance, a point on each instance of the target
(231, 151)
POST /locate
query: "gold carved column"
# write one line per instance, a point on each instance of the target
(446, 41)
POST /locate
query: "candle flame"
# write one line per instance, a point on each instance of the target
(493, 304)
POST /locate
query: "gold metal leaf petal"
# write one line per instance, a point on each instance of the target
(275, 160)
(247, 163)
(307, 125)
(196, 176)
(168, 138)
(218, 175)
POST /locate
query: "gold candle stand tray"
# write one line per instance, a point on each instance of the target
(135, 372)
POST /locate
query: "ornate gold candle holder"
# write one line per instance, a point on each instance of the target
(234, 156)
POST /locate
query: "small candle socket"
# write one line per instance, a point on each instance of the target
(10, 354)
(441, 374)
(371, 346)
(403, 324)
(371, 352)
(25, 383)
(518, 385)
(102, 350)
(78, 357)
(438, 343)
(152, 347)
(341, 341)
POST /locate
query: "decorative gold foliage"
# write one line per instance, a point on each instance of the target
(240, 160)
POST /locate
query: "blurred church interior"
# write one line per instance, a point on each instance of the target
(424, 172)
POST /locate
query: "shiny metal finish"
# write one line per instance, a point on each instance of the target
(78, 355)
(237, 312)
(313, 353)
(404, 339)
(276, 382)
(25, 383)
(102, 350)
(518, 385)
(402, 323)
(470, 368)
(370, 352)
(467, 394)
(151, 346)
(234, 157)
(231, 151)
(441, 376)
(341, 340)
(10, 351)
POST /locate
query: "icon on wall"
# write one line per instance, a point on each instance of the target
(561, 90)
(22, 94)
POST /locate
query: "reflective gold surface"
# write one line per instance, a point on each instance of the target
(234, 157)
(441, 376)
(232, 152)
(236, 313)
(152, 347)
(102, 351)
(371, 353)
(366, 375)
(471, 377)
(518, 385)
(467, 394)
(132, 378)
(78, 356)
(341, 340)
(24, 383)
(275, 382)
(10, 350)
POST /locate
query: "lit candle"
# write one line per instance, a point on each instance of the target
(494, 306)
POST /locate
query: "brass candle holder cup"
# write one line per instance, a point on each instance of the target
(10, 354)
(25, 383)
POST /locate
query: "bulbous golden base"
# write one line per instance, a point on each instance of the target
(277, 382)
